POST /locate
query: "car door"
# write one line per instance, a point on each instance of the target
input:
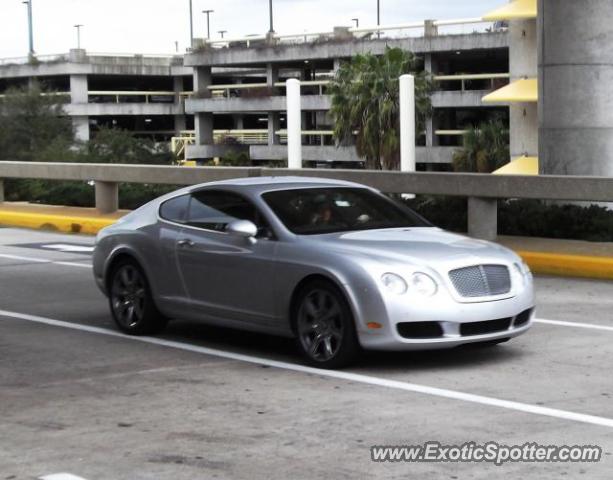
(227, 276)
(162, 258)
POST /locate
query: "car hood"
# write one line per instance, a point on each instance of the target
(419, 246)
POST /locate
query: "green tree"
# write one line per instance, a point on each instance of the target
(114, 145)
(365, 99)
(34, 125)
(485, 148)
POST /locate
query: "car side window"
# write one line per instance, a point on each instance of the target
(215, 209)
(175, 209)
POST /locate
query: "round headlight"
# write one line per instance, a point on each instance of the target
(423, 284)
(394, 283)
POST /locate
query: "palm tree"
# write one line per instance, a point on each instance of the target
(485, 148)
(365, 99)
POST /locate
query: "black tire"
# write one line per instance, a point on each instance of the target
(131, 302)
(324, 326)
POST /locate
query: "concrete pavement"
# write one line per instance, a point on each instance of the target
(111, 407)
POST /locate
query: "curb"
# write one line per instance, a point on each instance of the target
(561, 265)
(55, 223)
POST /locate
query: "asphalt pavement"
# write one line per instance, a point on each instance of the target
(199, 402)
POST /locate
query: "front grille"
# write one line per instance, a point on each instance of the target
(481, 280)
(420, 329)
(488, 326)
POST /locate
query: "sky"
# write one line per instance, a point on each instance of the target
(153, 26)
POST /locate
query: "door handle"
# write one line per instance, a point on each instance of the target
(185, 243)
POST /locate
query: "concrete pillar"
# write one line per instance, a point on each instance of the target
(274, 124)
(483, 218)
(430, 30)
(576, 87)
(1, 190)
(180, 124)
(79, 94)
(107, 197)
(203, 121)
(523, 117)
(80, 124)
(407, 123)
(294, 127)
(272, 75)
(78, 89)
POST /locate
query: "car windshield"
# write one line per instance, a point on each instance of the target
(312, 211)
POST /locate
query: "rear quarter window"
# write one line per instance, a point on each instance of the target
(175, 209)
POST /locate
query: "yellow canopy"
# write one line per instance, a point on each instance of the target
(520, 166)
(524, 90)
(516, 10)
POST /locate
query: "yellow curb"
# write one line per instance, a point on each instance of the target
(58, 223)
(569, 265)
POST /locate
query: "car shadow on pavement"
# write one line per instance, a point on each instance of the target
(284, 349)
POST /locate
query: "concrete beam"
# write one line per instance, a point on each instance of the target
(208, 151)
(459, 99)
(107, 196)
(244, 56)
(102, 109)
(483, 186)
(483, 218)
(276, 103)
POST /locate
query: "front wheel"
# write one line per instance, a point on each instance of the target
(324, 326)
(131, 302)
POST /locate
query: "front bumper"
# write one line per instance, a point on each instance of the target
(442, 322)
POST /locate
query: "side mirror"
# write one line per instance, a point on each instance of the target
(242, 228)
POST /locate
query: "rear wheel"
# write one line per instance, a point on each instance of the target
(324, 326)
(131, 302)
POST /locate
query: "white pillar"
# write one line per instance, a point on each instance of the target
(294, 126)
(407, 123)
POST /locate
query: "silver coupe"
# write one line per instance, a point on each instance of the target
(337, 265)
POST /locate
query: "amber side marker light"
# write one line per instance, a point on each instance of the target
(374, 325)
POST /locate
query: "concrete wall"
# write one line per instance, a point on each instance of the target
(334, 49)
(576, 87)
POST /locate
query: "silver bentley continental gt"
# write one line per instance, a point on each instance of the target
(337, 265)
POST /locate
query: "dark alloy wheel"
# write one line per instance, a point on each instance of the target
(324, 326)
(131, 302)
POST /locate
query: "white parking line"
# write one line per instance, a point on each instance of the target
(340, 375)
(44, 260)
(561, 323)
(61, 476)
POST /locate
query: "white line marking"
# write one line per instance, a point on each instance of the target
(561, 323)
(347, 376)
(61, 476)
(64, 247)
(44, 260)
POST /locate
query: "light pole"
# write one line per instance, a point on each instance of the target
(30, 30)
(208, 25)
(191, 23)
(78, 27)
(221, 32)
(378, 17)
(272, 30)
(357, 22)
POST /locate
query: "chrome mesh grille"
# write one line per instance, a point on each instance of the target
(481, 280)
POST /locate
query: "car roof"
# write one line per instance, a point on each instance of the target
(265, 184)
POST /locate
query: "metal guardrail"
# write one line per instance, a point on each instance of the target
(482, 190)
